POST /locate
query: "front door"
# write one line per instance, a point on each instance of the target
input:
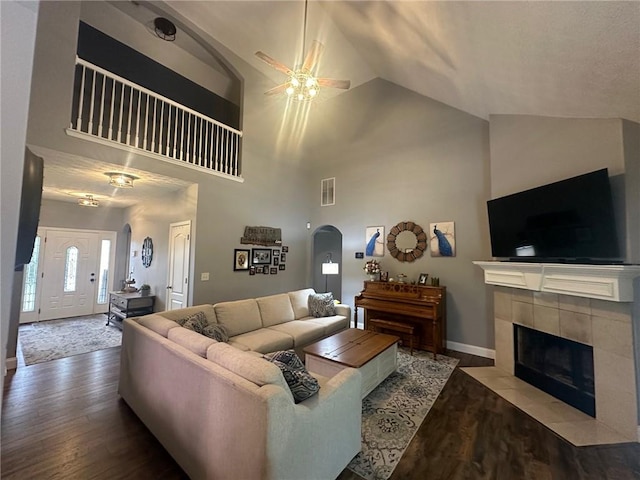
(70, 274)
(179, 249)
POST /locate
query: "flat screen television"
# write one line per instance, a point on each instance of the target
(567, 221)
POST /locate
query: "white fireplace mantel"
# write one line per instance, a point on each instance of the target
(606, 282)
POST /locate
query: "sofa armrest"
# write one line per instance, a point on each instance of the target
(343, 309)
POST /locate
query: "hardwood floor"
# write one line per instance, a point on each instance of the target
(63, 419)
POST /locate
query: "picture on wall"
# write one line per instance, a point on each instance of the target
(274, 271)
(261, 256)
(240, 259)
(442, 239)
(374, 241)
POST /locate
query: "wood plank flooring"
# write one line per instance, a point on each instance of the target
(64, 420)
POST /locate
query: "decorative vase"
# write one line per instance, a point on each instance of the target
(372, 277)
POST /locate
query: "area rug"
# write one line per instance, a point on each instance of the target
(53, 339)
(393, 412)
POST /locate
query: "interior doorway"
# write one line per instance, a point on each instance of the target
(327, 248)
(179, 257)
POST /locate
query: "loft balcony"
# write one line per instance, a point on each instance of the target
(114, 111)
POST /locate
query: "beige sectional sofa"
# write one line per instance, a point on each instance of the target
(221, 410)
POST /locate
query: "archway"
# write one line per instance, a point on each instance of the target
(327, 246)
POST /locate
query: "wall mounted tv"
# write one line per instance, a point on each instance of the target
(567, 221)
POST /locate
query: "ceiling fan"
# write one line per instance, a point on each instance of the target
(302, 83)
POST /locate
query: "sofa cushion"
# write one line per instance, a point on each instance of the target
(239, 317)
(300, 302)
(157, 323)
(321, 305)
(247, 365)
(264, 340)
(179, 313)
(332, 324)
(275, 309)
(191, 340)
(302, 331)
(196, 322)
(301, 383)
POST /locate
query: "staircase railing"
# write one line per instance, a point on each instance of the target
(112, 108)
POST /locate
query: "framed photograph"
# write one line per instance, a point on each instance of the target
(422, 279)
(276, 253)
(261, 256)
(252, 270)
(285, 249)
(282, 266)
(240, 259)
(274, 271)
(374, 241)
(384, 276)
(276, 261)
(265, 270)
(258, 269)
(283, 257)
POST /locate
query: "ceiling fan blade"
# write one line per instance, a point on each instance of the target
(333, 83)
(313, 56)
(274, 63)
(276, 90)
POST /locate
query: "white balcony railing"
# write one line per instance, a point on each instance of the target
(114, 109)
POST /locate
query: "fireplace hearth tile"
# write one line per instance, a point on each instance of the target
(545, 299)
(566, 421)
(614, 337)
(576, 326)
(523, 313)
(611, 310)
(574, 304)
(546, 319)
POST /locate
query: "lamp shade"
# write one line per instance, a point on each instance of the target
(330, 268)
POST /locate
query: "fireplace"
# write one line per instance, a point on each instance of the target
(559, 366)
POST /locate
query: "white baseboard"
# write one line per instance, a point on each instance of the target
(12, 363)
(472, 349)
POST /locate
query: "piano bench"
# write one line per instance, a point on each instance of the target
(397, 327)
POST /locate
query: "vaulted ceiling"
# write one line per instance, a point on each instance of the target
(548, 58)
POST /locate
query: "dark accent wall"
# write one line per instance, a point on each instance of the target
(114, 56)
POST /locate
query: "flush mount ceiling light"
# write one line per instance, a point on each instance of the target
(88, 201)
(165, 29)
(303, 85)
(121, 180)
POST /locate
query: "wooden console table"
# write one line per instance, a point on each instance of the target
(420, 306)
(124, 305)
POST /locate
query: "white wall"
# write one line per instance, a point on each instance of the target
(18, 22)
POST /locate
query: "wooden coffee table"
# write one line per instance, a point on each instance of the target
(374, 354)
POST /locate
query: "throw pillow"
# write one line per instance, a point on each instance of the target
(321, 305)
(216, 331)
(301, 383)
(196, 322)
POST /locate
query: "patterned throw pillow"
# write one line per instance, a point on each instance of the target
(300, 381)
(321, 305)
(216, 331)
(196, 322)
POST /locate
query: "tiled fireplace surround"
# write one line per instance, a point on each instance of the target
(605, 325)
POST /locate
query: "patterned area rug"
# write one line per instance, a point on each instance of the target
(53, 339)
(392, 413)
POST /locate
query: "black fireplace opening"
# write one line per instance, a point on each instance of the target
(561, 367)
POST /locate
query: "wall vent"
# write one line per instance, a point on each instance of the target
(328, 192)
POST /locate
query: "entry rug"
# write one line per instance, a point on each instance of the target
(53, 339)
(393, 412)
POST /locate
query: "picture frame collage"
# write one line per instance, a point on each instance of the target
(260, 261)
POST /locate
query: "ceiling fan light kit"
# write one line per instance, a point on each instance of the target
(302, 84)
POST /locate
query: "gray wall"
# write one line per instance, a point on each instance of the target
(54, 213)
(398, 156)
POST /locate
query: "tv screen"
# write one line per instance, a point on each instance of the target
(567, 221)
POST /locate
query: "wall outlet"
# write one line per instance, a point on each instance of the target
(204, 276)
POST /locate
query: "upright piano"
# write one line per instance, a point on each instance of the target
(422, 306)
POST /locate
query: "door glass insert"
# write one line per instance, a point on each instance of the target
(31, 279)
(71, 269)
(103, 272)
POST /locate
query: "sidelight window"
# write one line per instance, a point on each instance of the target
(31, 279)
